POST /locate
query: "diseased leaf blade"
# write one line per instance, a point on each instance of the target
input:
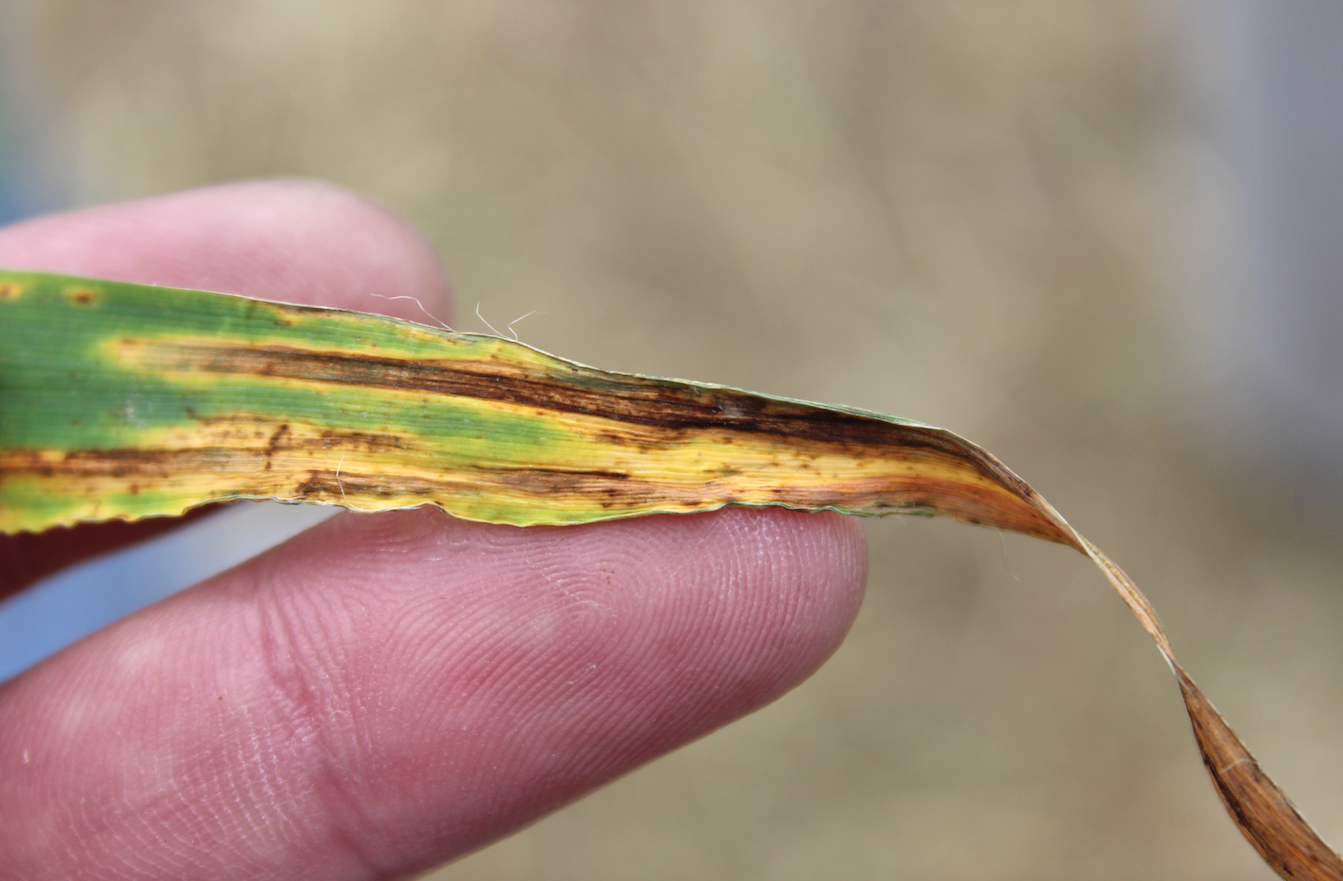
(125, 401)
(121, 401)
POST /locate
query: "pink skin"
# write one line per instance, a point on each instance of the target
(384, 692)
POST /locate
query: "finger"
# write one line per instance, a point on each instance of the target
(293, 240)
(386, 692)
(296, 241)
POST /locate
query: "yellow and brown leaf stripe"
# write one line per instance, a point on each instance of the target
(256, 400)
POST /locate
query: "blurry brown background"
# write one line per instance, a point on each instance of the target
(963, 213)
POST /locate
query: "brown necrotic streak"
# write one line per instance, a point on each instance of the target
(644, 411)
(665, 404)
(614, 491)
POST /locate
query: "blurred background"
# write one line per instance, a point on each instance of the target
(1098, 237)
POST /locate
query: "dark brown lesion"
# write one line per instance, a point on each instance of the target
(363, 441)
(130, 462)
(666, 406)
(276, 443)
(541, 483)
(258, 470)
(238, 445)
(594, 483)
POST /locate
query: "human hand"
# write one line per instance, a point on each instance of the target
(384, 692)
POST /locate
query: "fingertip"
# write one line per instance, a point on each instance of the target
(517, 669)
(417, 686)
(293, 240)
